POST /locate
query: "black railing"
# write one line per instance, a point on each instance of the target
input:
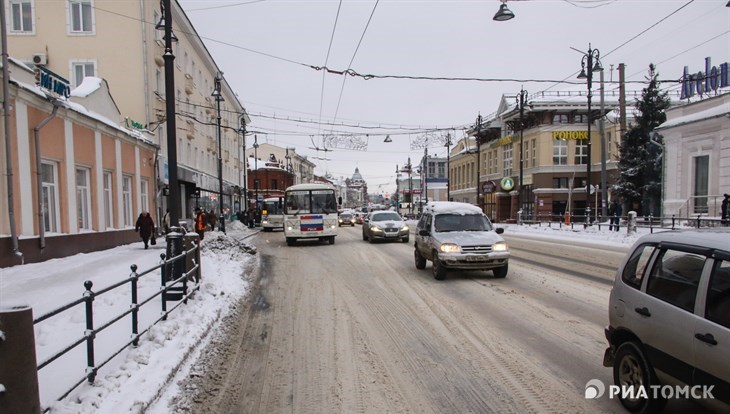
(647, 222)
(179, 285)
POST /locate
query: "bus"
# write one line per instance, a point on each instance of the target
(310, 212)
(272, 213)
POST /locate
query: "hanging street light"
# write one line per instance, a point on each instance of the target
(503, 14)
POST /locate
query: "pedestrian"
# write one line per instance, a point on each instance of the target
(201, 223)
(615, 212)
(145, 226)
(166, 221)
(212, 219)
(725, 208)
(251, 218)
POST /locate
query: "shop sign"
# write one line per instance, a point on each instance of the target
(131, 123)
(570, 135)
(705, 82)
(488, 187)
(52, 82)
(507, 184)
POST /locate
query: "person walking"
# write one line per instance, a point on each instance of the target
(725, 208)
(201, 223)
(212, 219)
(166, 221)
(615, 213)
(145, 226)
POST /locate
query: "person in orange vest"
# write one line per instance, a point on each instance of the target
(201, 223)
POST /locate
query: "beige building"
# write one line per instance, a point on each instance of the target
(79, 180)
(118, 41)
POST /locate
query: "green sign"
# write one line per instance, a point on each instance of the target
(507, 183)
(131, 123)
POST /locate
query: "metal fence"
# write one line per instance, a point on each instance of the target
(650, 222)
(171, 288)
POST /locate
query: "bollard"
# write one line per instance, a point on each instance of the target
(631, 222)
(18, 374)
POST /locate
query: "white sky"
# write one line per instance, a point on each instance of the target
(132, 380)
(265, 48)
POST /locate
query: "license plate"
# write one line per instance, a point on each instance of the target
(475, 259)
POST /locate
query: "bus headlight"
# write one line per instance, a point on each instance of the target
(499, 247)
(450, 248)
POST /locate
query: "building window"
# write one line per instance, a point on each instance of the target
(49, 188)
(127, 200)
(274, 185)
(80, 70)
(158, 33)
(81, 16)
(560, 119)
(580, 119)
(701, 183)
(442, 169)
(534, 153)
(144, 195)
(526, 154)
(560, 152)
(507, 161)
(83, 199)
(609, 145)
(108, 200)
(560, 182)
(581, 152)
(21, 16)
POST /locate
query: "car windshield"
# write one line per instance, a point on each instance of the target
(346, 216)
(461, 222)
(385, 217)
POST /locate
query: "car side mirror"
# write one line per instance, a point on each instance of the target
(499, 230)
(424, 232)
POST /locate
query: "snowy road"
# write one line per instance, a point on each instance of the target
(355, 327)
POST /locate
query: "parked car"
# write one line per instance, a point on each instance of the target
(669, 317)
(456, 235)
(359, 218)
(385, 225)
(346, 219)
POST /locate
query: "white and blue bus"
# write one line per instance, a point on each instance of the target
(310, 212)
(272, 214)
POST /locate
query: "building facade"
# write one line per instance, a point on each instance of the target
(79, 180)
(121, 42)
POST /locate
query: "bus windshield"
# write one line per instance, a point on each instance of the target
(271, 207)
(311, 202)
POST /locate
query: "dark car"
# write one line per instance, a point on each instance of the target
(385, 225)
(346, 219)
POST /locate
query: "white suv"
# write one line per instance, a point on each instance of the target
(459, 236)
(669, 318)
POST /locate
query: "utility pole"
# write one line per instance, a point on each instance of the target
(425, 172)
(604, 174)
(479, 130)
(174, 188)
(448, 166)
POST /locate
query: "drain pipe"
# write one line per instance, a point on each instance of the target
(39, 183)
(6, 124)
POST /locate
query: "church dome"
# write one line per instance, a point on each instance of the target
(357, 176)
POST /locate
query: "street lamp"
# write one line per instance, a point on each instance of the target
(256, 167)
(242, 130)
(588, 60)
(503, 13)
(448, 167)
(397, 177)
(410, 186)
(218, 99)
(521, 100)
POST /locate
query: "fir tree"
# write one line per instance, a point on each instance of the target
(640, 163)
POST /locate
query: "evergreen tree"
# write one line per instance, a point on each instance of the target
(640, 163)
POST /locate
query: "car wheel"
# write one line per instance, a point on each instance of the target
(500, 272)
(420, 260)
(439, 271)
(371, 239)
(364, 236)
(332, 240)
(290, 241)
(405, 239)
(631, 368)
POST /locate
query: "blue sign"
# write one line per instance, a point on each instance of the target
(701, 83)
(53, 82)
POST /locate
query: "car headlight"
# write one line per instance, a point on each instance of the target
(405, 228)
(500, 247)
(450, 248)
(376, 229)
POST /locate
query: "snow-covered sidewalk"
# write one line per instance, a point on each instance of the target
(137, 376)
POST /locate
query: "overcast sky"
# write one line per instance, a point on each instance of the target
(268, 51)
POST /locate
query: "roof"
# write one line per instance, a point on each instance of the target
(309, 186)
(718, 238)
(452, 207)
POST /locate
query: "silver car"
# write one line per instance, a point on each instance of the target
(459, 236)
(669, 319)
(385, 225)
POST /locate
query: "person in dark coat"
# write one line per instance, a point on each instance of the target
(725, 208)
(615, 212)
(212, 219)
(145, 226)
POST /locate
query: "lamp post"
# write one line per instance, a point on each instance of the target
(218, 96)
(448, 167)
(592, 61)
(424, 176)
(242, 130)
(410, 186)
(256, 167)
(477, 139)
(521, 102)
